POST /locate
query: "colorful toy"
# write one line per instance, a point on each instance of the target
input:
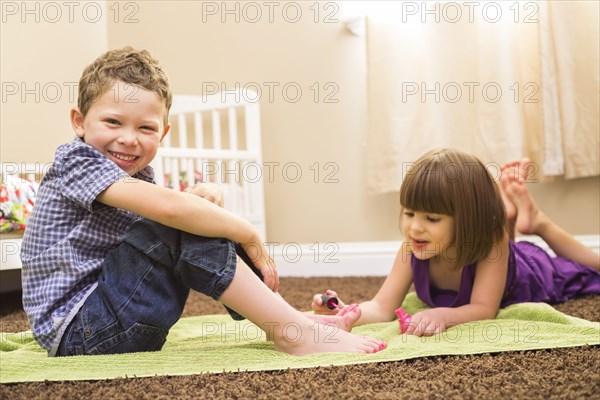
(17, 197)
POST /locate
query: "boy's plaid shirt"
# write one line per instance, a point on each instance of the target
(67, 237)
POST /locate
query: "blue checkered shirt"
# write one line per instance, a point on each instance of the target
(67, 237)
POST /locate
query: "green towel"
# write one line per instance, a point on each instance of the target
(216, 343)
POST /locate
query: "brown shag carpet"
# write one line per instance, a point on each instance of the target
(572, 373)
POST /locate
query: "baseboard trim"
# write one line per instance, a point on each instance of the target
(359, 258)
(316, 259)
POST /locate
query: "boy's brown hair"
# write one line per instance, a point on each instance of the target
(454, 183)
(128, 65)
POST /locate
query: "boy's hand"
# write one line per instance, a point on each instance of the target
(319, 308)
(263, 262)
(208, 191)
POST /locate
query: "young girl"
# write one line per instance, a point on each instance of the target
(457, 250)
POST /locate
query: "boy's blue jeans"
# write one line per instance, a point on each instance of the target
(143, 287)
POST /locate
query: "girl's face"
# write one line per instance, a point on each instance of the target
(429, 234)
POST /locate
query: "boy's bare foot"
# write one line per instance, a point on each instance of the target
(317, 338)
(344, 320)
(291, 330)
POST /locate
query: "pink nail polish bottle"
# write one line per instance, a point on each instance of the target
(331, 302)
(403, 319)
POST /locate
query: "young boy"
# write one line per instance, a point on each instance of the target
(109, 257)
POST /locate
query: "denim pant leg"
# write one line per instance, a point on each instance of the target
(132, 309)
(143, 287)
(204, 264)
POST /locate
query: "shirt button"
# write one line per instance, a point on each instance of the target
(87, 333)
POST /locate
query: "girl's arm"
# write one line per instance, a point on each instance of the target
(391, 294)
(192, 214)
(488, 288)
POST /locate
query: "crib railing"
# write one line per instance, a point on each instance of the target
(217, 139)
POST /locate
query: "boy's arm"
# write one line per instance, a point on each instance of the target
(179, 210)
(192, 214)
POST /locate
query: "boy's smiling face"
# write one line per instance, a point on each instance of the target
(126, 124)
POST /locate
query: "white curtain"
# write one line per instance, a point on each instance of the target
(500, 79)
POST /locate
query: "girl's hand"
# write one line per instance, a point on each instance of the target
(429, 323)
(319, 308)
(208, 191)
(263, 262)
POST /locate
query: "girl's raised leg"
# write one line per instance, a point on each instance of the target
(531, 220)
(514, 171)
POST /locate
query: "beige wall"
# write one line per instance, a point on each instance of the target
(43, 49)
(306, 132)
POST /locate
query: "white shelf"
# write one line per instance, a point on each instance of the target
(9, 253)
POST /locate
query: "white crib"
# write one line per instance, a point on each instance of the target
(214, 138)
(217, 138)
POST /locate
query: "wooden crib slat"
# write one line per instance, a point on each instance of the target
(189, 169)
(233, 133)
(253, 140)
(216, 125)
(233, 142)
(216, 131)
(159, 172)
(200, 167)
(175, 173)
(231, 198)
(198, 130)
(182, 131)
(247, 195)
(251, 115)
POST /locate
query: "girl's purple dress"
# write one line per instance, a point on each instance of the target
(533, 276)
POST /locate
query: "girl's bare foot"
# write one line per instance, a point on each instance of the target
(530, 220)
(511, 211)
(514, 171)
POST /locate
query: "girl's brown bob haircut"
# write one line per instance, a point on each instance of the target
(457, 184)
